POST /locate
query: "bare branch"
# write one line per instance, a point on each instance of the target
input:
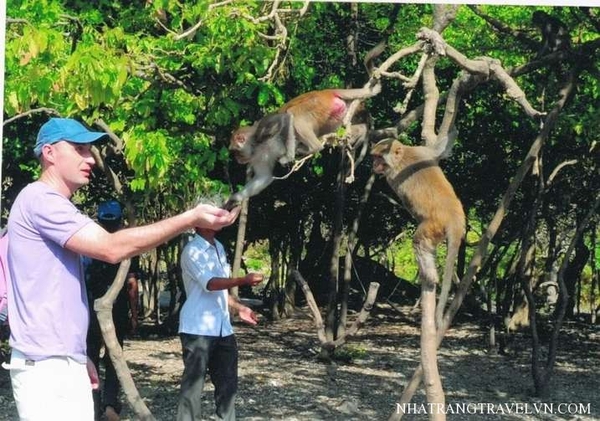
(443, 15)
(484, 67)
(360, 320)
(406, 51)
(350, 177)
(50, 111)
(143, 72)
(304, 8)
(118, 146)
(432, 96)
(356, 325)
(282, 33)
(112, 176)
(297, 165)
(557, 170)
(10, 21)
(512, 89)
(312, 304)
(189, 33)
(163, 26)
(500, 27)
(411, 84)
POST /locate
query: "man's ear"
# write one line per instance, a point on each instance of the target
(48, 152)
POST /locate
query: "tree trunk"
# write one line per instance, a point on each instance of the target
(527, 281)
(150, 286)
(490, 292)
(595, 273)
(317, 252)
(350, 253)
(573, 274)
(542, 384)
(272, 288)
(431, 375)
(332, 320)
(239, 245)
(505, 299)
(103, 307)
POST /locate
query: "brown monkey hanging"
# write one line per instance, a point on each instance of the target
(415, 176)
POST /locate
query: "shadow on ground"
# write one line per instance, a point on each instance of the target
(283, 378)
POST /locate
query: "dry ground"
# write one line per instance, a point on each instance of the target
(282, 378)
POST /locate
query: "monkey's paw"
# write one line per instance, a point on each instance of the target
(231, 203)
(286, 160)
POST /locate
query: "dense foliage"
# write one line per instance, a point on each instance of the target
(173, 79)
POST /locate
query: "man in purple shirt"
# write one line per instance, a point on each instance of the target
(51, 375)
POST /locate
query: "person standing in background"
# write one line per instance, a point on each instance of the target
(207, 338)
(99, 276)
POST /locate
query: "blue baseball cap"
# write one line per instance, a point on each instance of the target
(109, 211)
(57, 129)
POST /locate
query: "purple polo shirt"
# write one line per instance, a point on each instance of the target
(47, 300)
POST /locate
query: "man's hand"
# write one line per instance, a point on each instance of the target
(92, 374)
(247, 315)
(211, 217)
(253, 279)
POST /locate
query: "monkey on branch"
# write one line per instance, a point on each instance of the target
(295, 129)
(555, 34)
(298, 129)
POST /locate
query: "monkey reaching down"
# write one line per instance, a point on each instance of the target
(294, 129)
(261, 147)
(415, 176)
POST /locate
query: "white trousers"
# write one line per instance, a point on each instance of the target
(56, 388)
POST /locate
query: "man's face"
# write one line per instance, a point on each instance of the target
(74, 162)
(206, 233)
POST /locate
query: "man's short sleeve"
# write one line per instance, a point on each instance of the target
(58, 219)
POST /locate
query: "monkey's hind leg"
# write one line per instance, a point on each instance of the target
(309, 142)
(425, 252)
(425, 255)
(290, 141)
(451, 256)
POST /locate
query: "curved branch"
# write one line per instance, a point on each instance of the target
(356, 325)
(192, 31)
(500, 27)
(11, 21)
(432, 96)
(312, 304)
(118, 145)
(360, 320)
(557, 170)
(104, 305)
(50, 111)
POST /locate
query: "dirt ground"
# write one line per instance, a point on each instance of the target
(283, 378)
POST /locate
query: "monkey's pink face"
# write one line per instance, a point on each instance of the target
(239, 145)
(379, 164)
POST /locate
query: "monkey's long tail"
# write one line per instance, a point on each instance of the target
(454, 240)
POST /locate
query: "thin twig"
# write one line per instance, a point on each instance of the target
(297, 165)
(27, 113)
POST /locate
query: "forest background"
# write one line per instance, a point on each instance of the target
(171, 80)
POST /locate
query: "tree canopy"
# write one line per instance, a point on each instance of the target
(173, 79)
